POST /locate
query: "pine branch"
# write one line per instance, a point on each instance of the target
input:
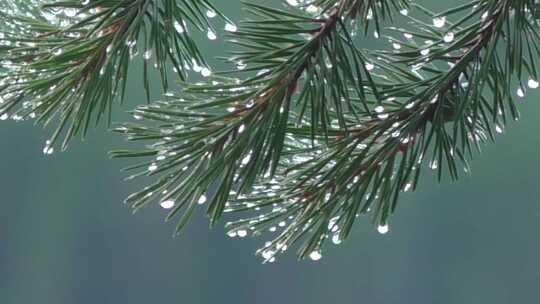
(322, 191)
(69, 60)
(228, 134)
(325, 133)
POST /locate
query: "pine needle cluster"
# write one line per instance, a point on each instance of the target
(309, 131)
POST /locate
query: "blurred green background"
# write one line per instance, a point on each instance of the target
(65, 236)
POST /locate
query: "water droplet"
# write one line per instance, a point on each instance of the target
(449, 37)
(70, 12)
(241, 65)
(179, 28)
(211, 35)
(312, 9)
(292, 2)
(229, 27)
(205, 72)
(404, 12)
(439, 22)
(370, 66)
(520, 92)
(246, 159)
(241, 128)
(369, 14)
(152, 167)
(147, 55)
(210, 14)
(383, 229)
(533, 83)
(202, 200)
(335, 239)
(168, 204)
(315, 255)
(241, 233)
(48, 150)
(267, 254)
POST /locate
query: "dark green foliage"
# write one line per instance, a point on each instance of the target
(323, 139)
(70, 60)
(312, 130)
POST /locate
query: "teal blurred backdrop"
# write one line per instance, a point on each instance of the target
(65, 236)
